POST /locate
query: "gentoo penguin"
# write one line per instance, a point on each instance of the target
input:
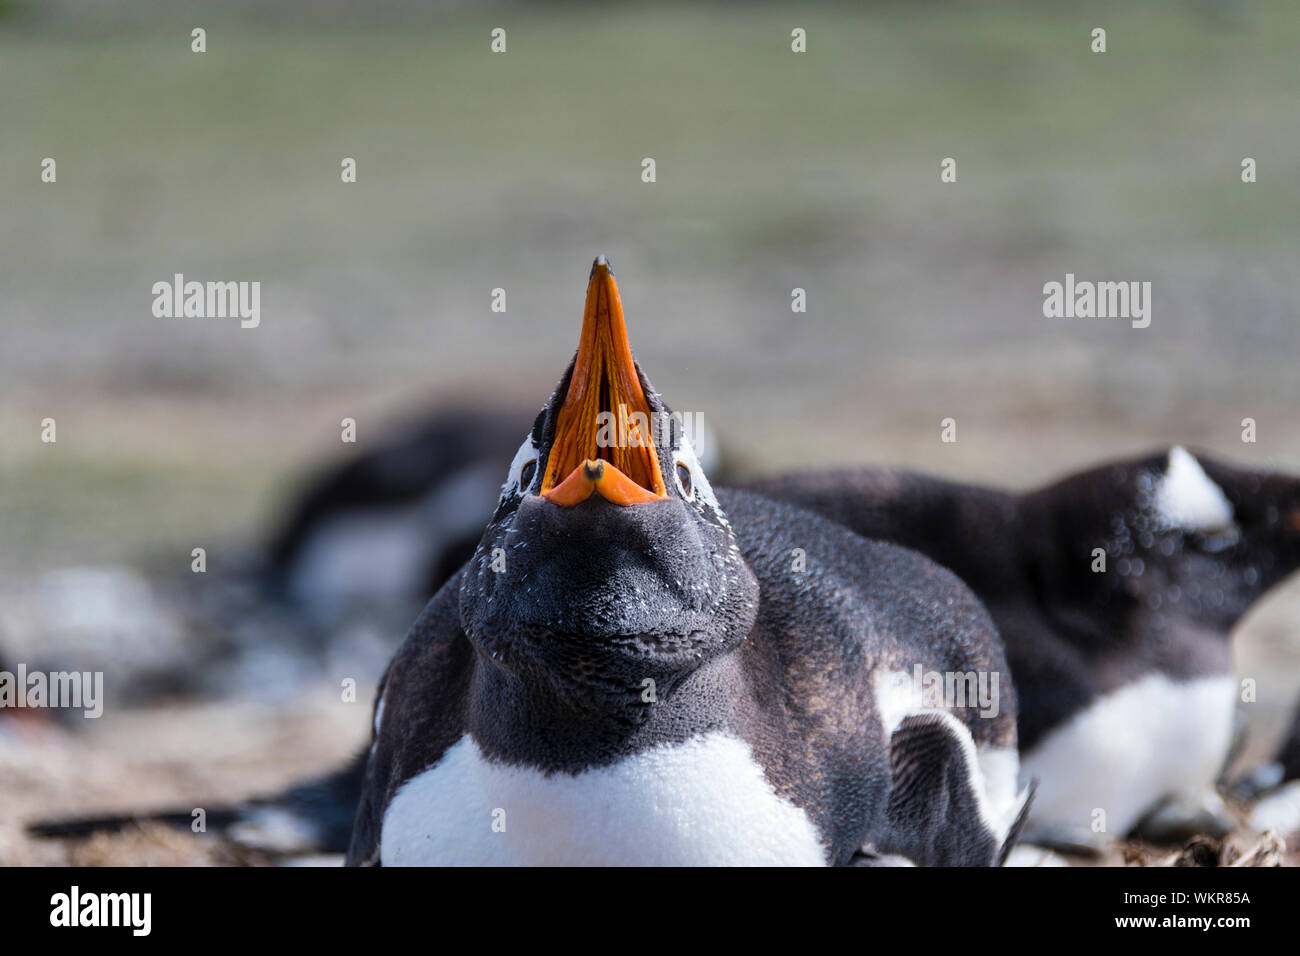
(1115, 591)
(396, 520)
(634, 669)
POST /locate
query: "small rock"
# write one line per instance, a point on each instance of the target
(1199, 851)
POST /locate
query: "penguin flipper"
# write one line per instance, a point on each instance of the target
(419, 714)
(1026, 799)
(937, 813)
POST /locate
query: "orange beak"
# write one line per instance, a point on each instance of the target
(604, 438)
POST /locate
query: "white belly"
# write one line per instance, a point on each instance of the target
(1127, 750)
(703, 802)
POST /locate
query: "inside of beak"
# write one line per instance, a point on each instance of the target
(604, 440)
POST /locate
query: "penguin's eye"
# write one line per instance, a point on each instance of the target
(527, 473)
(684, 479)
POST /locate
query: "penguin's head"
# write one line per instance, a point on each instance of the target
(608, 560)
(1260, 543)
(1189, 541)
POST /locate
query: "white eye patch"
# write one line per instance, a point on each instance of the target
(523, 470)
(1186, 498)
(700, 489)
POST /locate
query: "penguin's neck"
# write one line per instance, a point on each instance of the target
(1081, 603)
(520, 721)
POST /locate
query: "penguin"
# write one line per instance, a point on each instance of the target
(1115, 590)
(636, 669)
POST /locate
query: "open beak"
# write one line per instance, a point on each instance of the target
(603, 440)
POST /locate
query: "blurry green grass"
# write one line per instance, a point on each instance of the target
(229, 150)
(92, 509)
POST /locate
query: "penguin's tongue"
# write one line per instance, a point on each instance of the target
(603, 437)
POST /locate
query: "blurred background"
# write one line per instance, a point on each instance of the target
(476, 171)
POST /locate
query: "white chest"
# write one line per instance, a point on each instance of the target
(703, 802)
(1130, 748)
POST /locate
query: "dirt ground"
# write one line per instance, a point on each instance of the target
(195, 756)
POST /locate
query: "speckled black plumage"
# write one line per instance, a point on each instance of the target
(749, 616)
(795, 683)
(1167, 601)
